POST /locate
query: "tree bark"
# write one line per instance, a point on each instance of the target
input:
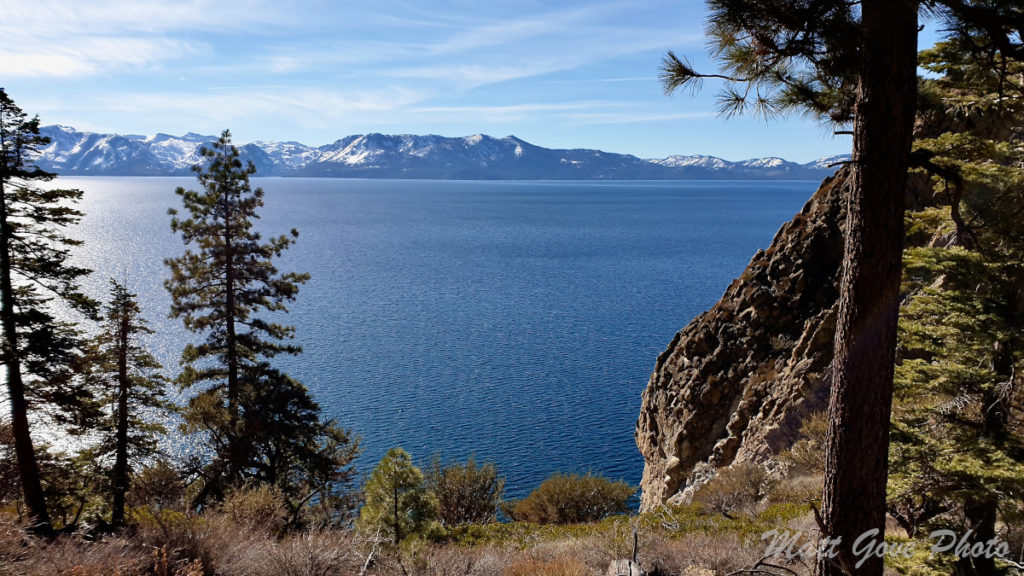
(235, 453)
(229, 304)
(121, 436)
(28, 467)
(856, 456)
(981, 517)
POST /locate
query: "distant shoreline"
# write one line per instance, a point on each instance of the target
(404, 157)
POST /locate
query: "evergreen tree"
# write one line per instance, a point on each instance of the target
(398, 504)
(219, 288)
(958, 447)
(848, 61)
(132, 394)
(35, 273)
(261, 424)
(287, 444)
(958, 451)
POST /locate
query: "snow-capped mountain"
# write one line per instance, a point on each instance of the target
(705, 162)
(71, 152)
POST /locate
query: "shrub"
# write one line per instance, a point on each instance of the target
(66, 555)
(159, 487)
(571, 498)
(735, 487)
(183, 536)
(795, 489)
(259, 508)
(465, 493)
(310, 554)
(698, 554)
(807, 455)
(398, 505)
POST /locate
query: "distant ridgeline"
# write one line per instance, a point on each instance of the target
(407, 156)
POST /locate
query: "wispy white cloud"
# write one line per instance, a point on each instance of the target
(61, 18)
(62, 38)
(503, 32)
(314, 69)
(516, 108)
(89, 55)
(491, 114)
(473, 71)
(258, 109)
(467, 76)
(653, 77)
(635, 117)
(590, 112)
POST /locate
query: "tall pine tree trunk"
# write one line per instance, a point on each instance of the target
(28, 467)
(121, 435)
(856, 458)
(981, 517)
(235, 452)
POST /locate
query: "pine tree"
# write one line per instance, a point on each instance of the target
(848, 62)
(132, 392)
(398, 505)
(958, 448)
(958, 452)
(35, 272)
(261, 424)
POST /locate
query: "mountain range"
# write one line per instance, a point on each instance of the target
(72, 152)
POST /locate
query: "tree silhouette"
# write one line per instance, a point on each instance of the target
(35, 273)
(131, 390)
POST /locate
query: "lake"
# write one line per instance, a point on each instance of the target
(518, 321)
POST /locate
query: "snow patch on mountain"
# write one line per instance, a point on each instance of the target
(709, 162)
(398, 156)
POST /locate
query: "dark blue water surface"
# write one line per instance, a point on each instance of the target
(515, 320)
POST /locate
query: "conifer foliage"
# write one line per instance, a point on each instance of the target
(226, 277)
(957, 457)
(398, 504)
(131, 391)
(261, 424)
(38, 349)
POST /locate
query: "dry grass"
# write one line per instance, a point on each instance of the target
(221, 543)
(305, 554)
(560, 566)
(207, 546)
(702, 554)
(21, 555)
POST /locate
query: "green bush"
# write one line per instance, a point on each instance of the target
(466, 493)
(398, 505)
(571, 498)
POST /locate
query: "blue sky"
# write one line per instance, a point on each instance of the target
(558, 74)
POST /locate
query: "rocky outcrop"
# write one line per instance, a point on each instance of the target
(738, 381)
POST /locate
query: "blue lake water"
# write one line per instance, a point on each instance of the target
(518, 321)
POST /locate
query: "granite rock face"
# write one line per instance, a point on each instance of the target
(737, 382)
